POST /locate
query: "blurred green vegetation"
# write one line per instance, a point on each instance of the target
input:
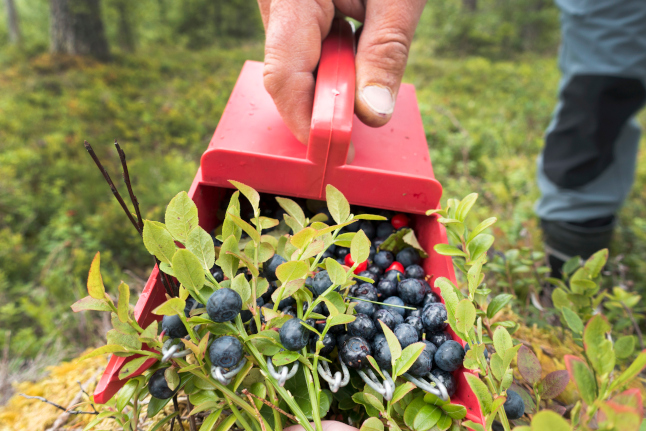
(486, 83)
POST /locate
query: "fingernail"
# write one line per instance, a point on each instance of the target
(379, 99)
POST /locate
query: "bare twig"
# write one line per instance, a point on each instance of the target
(262, 423)
(58, 406)
(191, 418)
(87, 395)
(635, 325)
(179, 414)
(126, 179)
(292, 417)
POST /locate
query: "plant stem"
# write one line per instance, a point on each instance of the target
(316, 413)
(238, 416)
(278, 423)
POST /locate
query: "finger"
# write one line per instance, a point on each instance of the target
(264, 5)
(381, 57)
(326, 425)
(294, 33)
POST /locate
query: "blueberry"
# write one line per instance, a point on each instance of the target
(270, 289)
(446, 379)
(467, 348)
(364, 307)
(371, 253)
(224, 305)
(158, 387)
(406, 334)
(174, 327)
(326, 254)
(438, 338)
(226, 352)
(363, 327)
(328, 344)
(340, 252)
(293, 335)
(422, 365)
(430, 348)
(354, 352)
(371, 275)
(377, 341)
(411, 291)
(217, 273)
(352, 227)
(340, 261)
(393, 275)
(399, 318)
(321, 283)
(386, 317)
(376, 243)
(367, 228)
(383, 355)
(384, 229)
(431, 298)
(286, 302)
(449, 356)
(340, 339)
(416, 323)
(417, 312)
(384, 259)
(427, 287)
(246, 315)
(191, 304)
(394, 300)
(415, 271)
(289, 311)
(408, 256)
(375, 270)
(386, 288)
(434, 317)
(514, 405)
(365, 290)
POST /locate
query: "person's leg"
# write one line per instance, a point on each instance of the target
(587, 166)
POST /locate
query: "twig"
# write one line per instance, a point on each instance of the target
(262, 423)
(126, 179)
(87, 395)
(191, 418)
(635, 325)
(179, 414)
(115, 192)
(292, 417)
(45, 400)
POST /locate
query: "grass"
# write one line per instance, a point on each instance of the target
(484, 122)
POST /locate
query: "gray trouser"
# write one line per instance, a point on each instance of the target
(587, 166)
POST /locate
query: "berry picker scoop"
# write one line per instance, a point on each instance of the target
(391, 170)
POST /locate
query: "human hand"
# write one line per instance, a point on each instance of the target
(295, 30)
(327, 426)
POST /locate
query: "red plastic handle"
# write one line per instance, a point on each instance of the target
(333, 111)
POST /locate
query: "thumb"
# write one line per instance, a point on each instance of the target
(381, 57)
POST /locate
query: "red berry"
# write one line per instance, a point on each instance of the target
(399, 221)
(396, 265)
(349, 262)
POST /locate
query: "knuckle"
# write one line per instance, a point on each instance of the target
(390, 48)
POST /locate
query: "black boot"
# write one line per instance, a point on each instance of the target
(564, 240)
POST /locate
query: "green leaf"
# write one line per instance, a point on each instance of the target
(293, 209)
(631, 372)
(479, 246)
(465, 316)
(481, 392)
(393, 343)
(171, 307)
(337, 204)
(303, 237)
(554, 383)
(372, 424)
(529, 365)
(94, 280)
(181, 217)
(481, 228)
(474, 426)
(412, 410)
(150, 332)
(252, 195)
(126, 392)
(502, 340)
(298, 388)
(228, 262)
(250, 230)
(596, 262)
(229, 228)
(200, 243)
(340, 319)
(188, 270)
(172, 378)
(287, 289)
(598, 348)
(410, 239)
(291, 271)
(128, 341)
(549, 420)
(369, 217)
(455, 411)
(268, 223)
(498, 303)
(465, 206)
(426, 417)
(573, 320)
(408, 357)
(210, 420)
(360, 247)
(131, 366)
(497, 367)
(444, 422)
(583, 378)
(335, 271)
(89, 303)
(285, 357)
(448, 293)
(123, 306)
(103, 350)
(475, 276)
(625, 346)
(448, 250)
(241, 285)
(158, 241)
(401, 391)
